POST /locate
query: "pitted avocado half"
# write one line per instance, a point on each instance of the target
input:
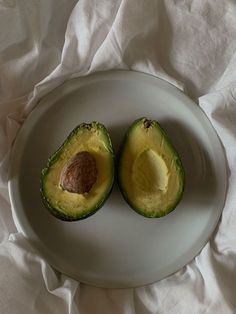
(79, 176)
(150, 174)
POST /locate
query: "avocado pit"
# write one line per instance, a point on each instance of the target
(79, 173)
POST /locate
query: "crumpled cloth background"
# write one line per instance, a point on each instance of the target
(191, 44)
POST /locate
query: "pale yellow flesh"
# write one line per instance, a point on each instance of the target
(148, 171)
(71, 203)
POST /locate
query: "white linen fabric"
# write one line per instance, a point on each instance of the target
(191, 44)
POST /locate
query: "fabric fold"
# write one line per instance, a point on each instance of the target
(190, 44)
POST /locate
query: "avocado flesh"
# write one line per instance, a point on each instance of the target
(92, 138)
(151, 175)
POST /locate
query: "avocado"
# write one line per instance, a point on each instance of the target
(78, 177)
(150, 172)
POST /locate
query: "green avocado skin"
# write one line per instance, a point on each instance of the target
(179, 168)
(54, 157)
(63, 216)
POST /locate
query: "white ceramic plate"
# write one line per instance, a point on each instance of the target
(116, 247)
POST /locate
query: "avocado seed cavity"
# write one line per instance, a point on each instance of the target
(150, 173)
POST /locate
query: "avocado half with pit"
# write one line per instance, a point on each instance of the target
(78, 177)
(150, 174)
